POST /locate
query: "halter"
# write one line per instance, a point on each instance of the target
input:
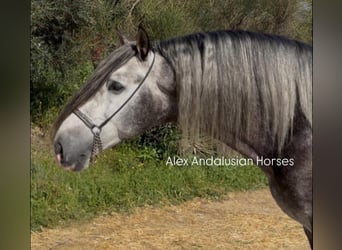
(96, 129)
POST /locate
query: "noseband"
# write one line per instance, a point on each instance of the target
(96, 129)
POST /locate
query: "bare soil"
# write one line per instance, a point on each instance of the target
(242, 220)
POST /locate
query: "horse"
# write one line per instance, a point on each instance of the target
(250, 91)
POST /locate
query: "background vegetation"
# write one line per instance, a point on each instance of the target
(68, 39)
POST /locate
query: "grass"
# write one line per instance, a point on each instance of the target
(122, 179)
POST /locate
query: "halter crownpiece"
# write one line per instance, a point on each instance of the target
(96, 129)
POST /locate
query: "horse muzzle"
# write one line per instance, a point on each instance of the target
(69, 158)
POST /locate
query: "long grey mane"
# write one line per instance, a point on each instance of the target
(227, 80)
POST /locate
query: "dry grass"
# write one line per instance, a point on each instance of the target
(243, 220)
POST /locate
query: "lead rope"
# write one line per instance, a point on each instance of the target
(97, 143)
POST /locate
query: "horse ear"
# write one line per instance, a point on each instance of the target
(123, 39)
(143, 43)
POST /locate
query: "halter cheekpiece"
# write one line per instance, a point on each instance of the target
(96, 129)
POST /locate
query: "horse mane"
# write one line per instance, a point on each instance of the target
(225, 79)
(112, 62)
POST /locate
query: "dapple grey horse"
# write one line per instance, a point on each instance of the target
(250, 91)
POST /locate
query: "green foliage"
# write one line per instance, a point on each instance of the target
(123, 179)
(163, 140)
(303, 25)
(277, 17)
(69, 36)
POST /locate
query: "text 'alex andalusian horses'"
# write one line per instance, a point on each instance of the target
(250, 91)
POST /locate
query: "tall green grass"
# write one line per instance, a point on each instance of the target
(122, 179)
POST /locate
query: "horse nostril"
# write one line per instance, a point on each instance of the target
(58, 148)
(59, 152)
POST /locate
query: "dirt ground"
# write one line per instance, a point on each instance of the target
(243, 220)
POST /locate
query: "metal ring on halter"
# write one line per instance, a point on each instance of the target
(96, 130)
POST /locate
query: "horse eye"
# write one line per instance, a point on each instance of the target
(115, 87)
